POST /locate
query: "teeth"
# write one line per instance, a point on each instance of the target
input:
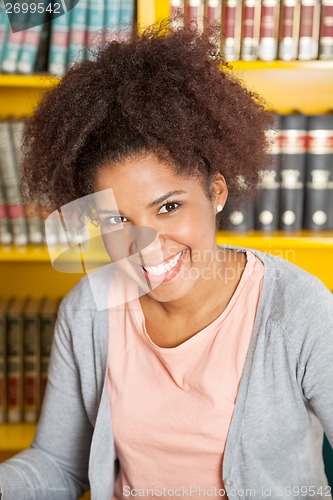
(163, 268)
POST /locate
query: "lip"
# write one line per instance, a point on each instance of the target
(169, 275)
(155, 265)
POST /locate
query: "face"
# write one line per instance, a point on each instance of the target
(148, 193)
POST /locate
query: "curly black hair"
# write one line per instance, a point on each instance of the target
(164, 91)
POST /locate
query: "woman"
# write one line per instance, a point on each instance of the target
(215, 380)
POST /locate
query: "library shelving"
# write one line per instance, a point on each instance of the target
(285, 86)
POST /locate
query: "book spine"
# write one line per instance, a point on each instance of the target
(46, 332)
(250, 30)
(112, 20)
(3, 364)
(176, 7)
(238, 215)
(268, 198)
(95, 25)
(231, 28)
(326, 30)
(15, 367)
(4, 30)
(31, 377)
(11, 184)
(194, 11)
(28, 54)
(318, 172)
(14, 43)
(309, 30)
(289, 29)
(59, 40)
(78, 32)
(33, 221)
(269, 28)
(6, 236)
(293, 158)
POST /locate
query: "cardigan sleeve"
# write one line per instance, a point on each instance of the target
(317, 361)
(56, 464)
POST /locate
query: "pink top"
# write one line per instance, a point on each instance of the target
(171, 407)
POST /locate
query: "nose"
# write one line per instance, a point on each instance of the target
(145, 241)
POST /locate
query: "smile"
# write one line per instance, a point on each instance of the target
(163, 268)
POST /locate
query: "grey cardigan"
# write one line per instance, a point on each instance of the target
(285, 400)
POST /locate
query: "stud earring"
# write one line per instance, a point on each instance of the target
(219, 208)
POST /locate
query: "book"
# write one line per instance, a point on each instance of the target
(239, 212)
(27, 57)
(250, 29)
(15, 361)
(293, 161)
(289, 29)
(212, 18)
(112, 20)
(326, 30)
(309, 30)
(269, 30)
(4, 30)
(318, 172)
(194, 12)
(5, 231)
(176, 8)
(268, 198)
(126, 18)
(31, 361)
(48, 314)
(14, 43)
(95, 27)
(10, 179)
(231, 28)
(34, 225)
(3, 361)
(78, 32)
(59, 42)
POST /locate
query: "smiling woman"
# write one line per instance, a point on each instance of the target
(182, 387)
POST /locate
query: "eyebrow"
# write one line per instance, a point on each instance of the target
(150, 205)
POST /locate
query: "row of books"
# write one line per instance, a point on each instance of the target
(265, 29)
(296, 191)
(26, 333)
(56, 41)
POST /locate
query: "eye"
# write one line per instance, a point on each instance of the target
(114, 220)
(169, 207)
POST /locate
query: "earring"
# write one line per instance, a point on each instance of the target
(219, 208)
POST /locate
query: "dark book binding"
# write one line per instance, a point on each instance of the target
(3, 361)
(15, 361)
(293, 161)
(31, 371)
(268, 199)
(318, 172)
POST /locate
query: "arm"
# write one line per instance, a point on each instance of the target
(317, 367)
(56, 465)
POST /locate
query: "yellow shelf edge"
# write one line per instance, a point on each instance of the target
(16, 437)
(36, 81)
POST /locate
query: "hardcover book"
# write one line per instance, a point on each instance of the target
(318, 172)
(268, 199)
(250, 30)
(289, 29)
(31, 361)
(3, 361)
(309, 30)
(15, 361)
(293, 160)
(269, 30)
(231, 28)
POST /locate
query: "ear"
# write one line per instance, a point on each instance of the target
(219, 190)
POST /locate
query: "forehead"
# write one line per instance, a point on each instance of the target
(144, 176)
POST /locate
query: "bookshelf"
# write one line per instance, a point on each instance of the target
(286, 87)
